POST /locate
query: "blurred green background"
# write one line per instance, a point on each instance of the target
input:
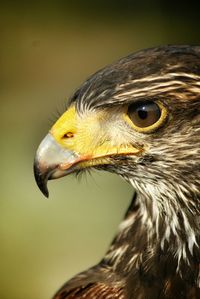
(47, 49)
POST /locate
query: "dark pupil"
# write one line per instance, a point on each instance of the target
(142, 114)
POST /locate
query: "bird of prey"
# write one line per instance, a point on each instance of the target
(138, 118)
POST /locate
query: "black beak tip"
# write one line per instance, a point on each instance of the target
(41, 179)
(44, 190)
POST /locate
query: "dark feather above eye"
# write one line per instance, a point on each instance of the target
(146, 73)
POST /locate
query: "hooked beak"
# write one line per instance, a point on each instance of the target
(52, 161)
(78, 142)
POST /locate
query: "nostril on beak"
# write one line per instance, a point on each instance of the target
(68, 135)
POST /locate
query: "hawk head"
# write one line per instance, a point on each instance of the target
(139, 118)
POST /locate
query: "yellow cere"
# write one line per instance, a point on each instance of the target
(66, 124)
(87, 135)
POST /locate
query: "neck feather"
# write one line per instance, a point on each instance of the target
(160, 224)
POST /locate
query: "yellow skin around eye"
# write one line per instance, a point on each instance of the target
(156, 125)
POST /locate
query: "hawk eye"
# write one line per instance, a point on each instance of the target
(146, 116)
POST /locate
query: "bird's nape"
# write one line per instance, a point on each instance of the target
(139, 118)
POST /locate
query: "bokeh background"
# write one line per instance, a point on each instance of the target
(46, 50)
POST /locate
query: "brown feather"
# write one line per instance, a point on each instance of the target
(91, 291)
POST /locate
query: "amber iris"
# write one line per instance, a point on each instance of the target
(144, 114)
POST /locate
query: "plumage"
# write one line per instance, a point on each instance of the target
(96, 290)
(139, 118)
